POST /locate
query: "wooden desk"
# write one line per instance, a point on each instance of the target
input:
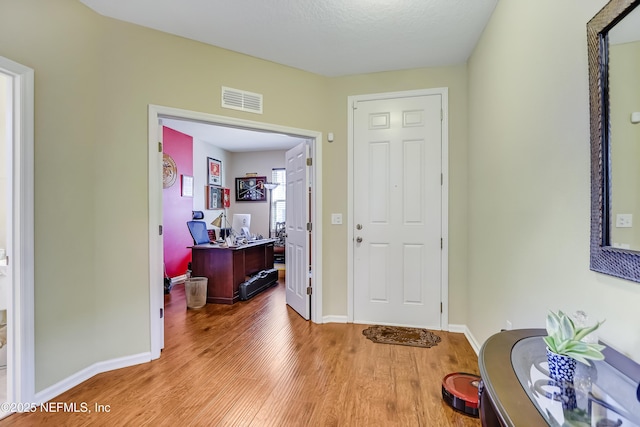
(227, 267)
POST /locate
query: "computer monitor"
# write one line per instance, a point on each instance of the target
(241, 224)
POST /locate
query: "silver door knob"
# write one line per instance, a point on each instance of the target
(359, 226)
(358, 239)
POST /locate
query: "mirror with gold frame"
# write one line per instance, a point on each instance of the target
(615, 169)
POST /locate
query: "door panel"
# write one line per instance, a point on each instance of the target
(397, 204)
(297, 241)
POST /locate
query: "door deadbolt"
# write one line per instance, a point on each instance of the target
(359, 226)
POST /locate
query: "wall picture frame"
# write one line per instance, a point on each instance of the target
(215, 196)
(251, 189)
(187, 186)
(226, 197)
(214, 171)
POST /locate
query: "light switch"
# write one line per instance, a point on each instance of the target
(624, 220)
(336, 218)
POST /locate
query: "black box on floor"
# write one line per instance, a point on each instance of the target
(258, 283)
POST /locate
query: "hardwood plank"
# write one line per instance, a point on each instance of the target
(258, 363)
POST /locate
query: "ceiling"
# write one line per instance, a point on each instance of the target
(233, 139)
(327, 37)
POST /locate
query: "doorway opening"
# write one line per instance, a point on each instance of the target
(157, 113)
(16, 232)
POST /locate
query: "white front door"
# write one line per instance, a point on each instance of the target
(397, 151)
(297, 241)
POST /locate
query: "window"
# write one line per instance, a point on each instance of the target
(278, 197)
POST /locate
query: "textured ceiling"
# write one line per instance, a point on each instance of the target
(327, 37)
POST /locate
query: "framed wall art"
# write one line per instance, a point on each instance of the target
(214, 197)
(214, 171)
(226, 198)
(251, 189)
(187, 186)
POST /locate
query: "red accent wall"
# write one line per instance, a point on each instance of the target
(176, 210)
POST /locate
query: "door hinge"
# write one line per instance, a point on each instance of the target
(309, 290)
(159, 147)
(440, 307)
(355, 105)
(309, 226)
(160, 230)
(309, 161)
(441, 114)
(162, 313)
(441, 179)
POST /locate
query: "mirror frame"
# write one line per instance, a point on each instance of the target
(604, 258)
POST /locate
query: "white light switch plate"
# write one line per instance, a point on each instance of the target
(624, 220)
(336, 218)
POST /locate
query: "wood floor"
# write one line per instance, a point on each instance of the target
(258, 363)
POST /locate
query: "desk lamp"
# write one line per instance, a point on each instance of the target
(220, 222)
(270, 186)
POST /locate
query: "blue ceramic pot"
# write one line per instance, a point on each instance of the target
(562, 370)
(561, 367)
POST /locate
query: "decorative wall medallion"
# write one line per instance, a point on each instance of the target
(169, 171)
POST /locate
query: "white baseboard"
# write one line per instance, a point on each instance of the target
(463, 329)
(459, 329)
(79, 377)
(334, 319)
(472, 340)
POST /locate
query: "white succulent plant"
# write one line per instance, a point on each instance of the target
(566, 339)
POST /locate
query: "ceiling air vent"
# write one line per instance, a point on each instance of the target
(241, 100)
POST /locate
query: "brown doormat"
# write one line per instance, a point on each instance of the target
(414, 337)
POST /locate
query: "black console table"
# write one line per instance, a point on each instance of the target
(516, 390)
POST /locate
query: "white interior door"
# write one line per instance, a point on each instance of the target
(297, 241)
(397, 211)
(159, 249)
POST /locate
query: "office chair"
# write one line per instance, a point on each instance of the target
(198, 229)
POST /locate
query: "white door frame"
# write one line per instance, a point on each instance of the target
(21, 314)
(156, 292)
(444, 278)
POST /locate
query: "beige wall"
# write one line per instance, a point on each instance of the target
(58, 40)
(529, 182)
(624, 89)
